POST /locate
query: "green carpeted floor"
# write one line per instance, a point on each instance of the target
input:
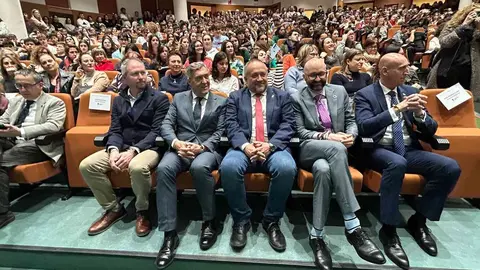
(51, 233)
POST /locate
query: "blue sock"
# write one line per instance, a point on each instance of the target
(351, 222)
(315, 233)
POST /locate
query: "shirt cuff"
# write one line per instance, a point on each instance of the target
(22, 132)
(394, 116)
(111, 148)
(136, 149)
(422, 119)
(173, 143)
(244, 145)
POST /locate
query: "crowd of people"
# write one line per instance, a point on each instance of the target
(328, 79)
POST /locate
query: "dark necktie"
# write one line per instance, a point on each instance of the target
(24, 113)
(197, 111)
(397, 131)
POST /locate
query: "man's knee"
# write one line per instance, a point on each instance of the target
(199, 169)
(320, 167)
(138, 168)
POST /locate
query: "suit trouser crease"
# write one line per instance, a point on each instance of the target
(440, 173)
(201, 170)
(328, 161)
(12, 155)
(280, 165)
(94, 170)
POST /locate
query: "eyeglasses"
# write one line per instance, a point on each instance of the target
(27, 86)
(314, 76)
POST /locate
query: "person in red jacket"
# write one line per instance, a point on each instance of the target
(101, 61)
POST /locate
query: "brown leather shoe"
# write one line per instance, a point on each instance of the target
(143, 226)
(106, 221)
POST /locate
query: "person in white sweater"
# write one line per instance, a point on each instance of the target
(222, 79)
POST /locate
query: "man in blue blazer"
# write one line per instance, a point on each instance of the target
(137, 114)
(260, 123)
(388, 111)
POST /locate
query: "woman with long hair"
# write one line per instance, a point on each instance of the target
(108, 46)
(243, 52)
(153, 46)
(235, 63)
(37, 21)
(84, 46)
(9, 64)
(221, 79)
(184, 48)
(70, 63)
(327, 52)
(160, 63)
(294, 80)
(196, 53)
(35, 57)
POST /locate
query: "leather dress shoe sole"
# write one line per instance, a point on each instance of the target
(171, 261)
(7, 221)
(144, 233)
(108, 227)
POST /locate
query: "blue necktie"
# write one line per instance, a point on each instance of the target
(397, 131)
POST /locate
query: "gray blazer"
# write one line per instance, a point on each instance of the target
(341, 113)
(179, 123)
(49, 118)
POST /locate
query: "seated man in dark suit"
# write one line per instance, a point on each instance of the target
(137, 114)
(31, 114)
(326, 123)
(192, 129)
(260, 123)
(387, 112)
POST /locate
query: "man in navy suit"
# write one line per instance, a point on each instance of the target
(260, 123)
(137, 114)
(387, 111)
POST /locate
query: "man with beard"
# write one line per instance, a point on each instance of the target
(137, 115)
(326, 124)
(260, 123)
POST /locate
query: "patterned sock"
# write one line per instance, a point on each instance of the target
(351, 222)
(315, 233)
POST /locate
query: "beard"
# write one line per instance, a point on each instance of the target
(317, 86)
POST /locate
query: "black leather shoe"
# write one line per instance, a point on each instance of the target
(323, 260)
(209, 234)
(422, 236)
(6, 218)
(167, 252)
(365, 247)
(393, 249)
(276, 239)
(238, 240)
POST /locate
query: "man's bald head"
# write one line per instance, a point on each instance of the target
(315, 64)
(393, 68)
(315, 74)
(391, 60)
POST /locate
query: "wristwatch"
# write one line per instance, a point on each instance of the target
(396, 109)
(272, 147)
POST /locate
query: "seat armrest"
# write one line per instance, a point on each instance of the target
(100, 140)
(224, 142)
(436, 142)
(366, 142)
(294, 143)
(159, 141)
(49, 138)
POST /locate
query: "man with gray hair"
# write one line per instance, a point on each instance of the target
(137, 114)
(192, 129)
(31, 114)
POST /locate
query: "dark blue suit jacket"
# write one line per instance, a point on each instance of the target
(280, 118)
(139, 125)
(373, 117)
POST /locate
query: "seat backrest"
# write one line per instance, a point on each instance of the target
(218, 93)
(391, 32)
(239, 57)
(114, 61)
(70, 118)
(147, 60)
(169, 96)
(139, 46)
(142, 53)
(307, 40)
(155, 76)
(111, 74)
(281, 41)
(26, 62)
(462, 116)
(332, 71)
(234, 72)
(87, 117)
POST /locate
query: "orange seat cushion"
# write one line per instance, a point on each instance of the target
(33, 173)
(412, 183)
(305, 180)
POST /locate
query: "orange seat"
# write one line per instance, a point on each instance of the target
(332, 71)
(281, 41)
(142, 53)
(239, 57)
(139, 46)
(78, 141)
(412, 183)
(234, 72)
(155, 76)
(148, 61)
(459, 127)
(305, 180)
(391, 32)
(114, 61)
(257, 182)
(40, 171)
(307, 40)
(111, 74)
(26, 62)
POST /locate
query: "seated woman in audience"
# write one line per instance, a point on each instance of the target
(235, 63)
(84, 46)
(68, 25)
(328, 53)
(381, 30)
(87, 79)
(108, 46)
(153, 46)
(55, 80)
(131, 48)
(221, 79)
(289, 59)
(124, 40)
(371, 55)
(294, 80)
(9, 64)
(70, 41)
(70, 63)
(350, 76)
(348, 42)
(275, 75)
(101, 61)
(176, 81)
(35, 58)
(160, 63)
(183, 48)
(196, 53)
(243, 52)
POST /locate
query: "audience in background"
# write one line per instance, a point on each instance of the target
(221, 79)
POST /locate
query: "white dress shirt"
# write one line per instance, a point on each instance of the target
(387, 139)
(263, 100)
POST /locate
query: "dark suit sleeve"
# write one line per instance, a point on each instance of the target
(369, 124)
(169, 124)
(213, 140)
(115, 133)
(282, 137)
(234, 132)
(161, 108)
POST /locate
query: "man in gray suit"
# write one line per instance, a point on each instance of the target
(192, 128)
(29, 115)
(326, 124)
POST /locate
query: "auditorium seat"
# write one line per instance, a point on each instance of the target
(40, 171)
(459, 127)
(281, 41)
(305, 180)
(78, 141)
(239, 57)
(114, 61)
(332, 71)
(391, 32)
(155, 76)
(412, 183)
(111, 74)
